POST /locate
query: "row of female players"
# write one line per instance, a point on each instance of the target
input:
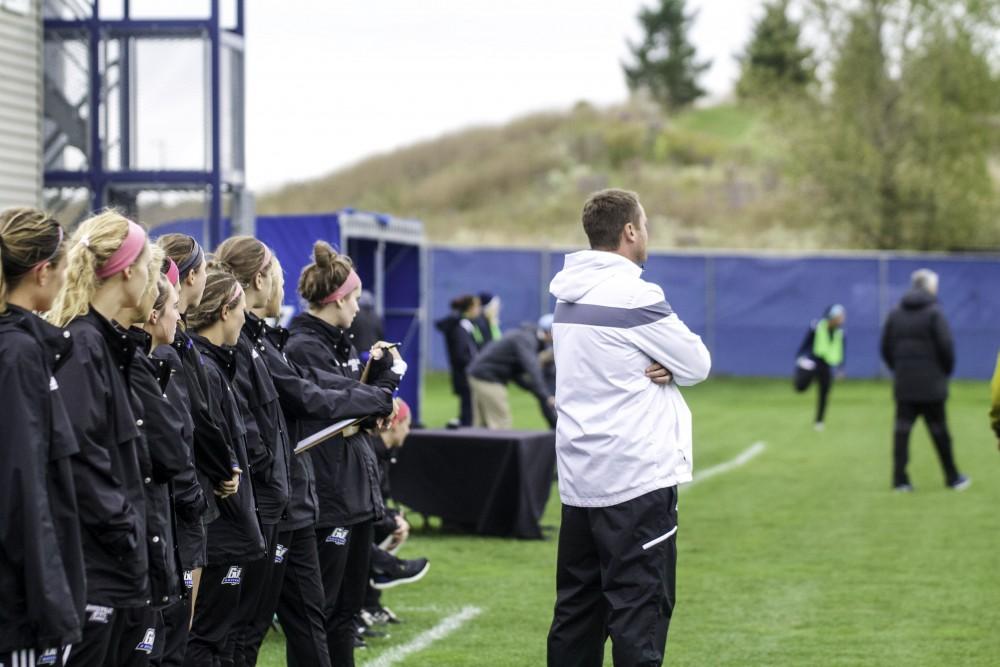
(151, 508)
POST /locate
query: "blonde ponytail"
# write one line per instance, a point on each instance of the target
(93, 243)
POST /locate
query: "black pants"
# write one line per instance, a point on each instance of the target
(257, 574)
(300, 605)
(29, 657)
(823, 375)
(615, 576)
(256, 630)
(115, 637)
(465, 407)
(937, 423)
(460, 385)
(215, 613)
(176, 621)
(344, 558)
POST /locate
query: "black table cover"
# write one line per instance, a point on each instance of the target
(487, 482)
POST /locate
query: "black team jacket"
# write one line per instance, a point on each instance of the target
(213, 455)
(267, 434)
(162, 457)
(189, 499)
(462, 349)
(347, 474)
(235, 536)
(918, 348)
(109, 482)
(302, 400)
(42, 582)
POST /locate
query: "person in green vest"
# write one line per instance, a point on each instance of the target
(488, 323)
(821, 352)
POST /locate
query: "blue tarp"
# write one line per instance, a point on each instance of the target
(753, 311)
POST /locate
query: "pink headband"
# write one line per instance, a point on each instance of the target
(352, 282)
(127, 253)
(267, 258)
(237, 293)
(402, 413)
(173, 273)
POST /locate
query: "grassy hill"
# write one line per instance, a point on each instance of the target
(708, 178)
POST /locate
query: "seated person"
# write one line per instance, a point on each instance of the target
(391, 532)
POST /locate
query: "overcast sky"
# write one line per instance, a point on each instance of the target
(332, 81)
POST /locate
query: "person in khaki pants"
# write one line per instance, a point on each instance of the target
(490, 407)
(513, 358)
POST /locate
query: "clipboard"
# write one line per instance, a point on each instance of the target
(330, 431)
(336, 428)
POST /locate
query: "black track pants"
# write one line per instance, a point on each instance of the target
(615, 577)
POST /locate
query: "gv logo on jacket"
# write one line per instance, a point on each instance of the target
(98, 614)
(338, 536)
(146, 645)
(232, 577)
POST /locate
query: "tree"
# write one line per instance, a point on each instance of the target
(774, 62)
(665, 62)
(901, 141)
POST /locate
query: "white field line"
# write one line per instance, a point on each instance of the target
(742, 459)
(425, 639)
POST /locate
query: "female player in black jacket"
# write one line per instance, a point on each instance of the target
(107, 271)
(249, 261)
(234, 538)
(210, 447)
(346, 470)
(295, 579)
(41, 575)
(187, 496)
(162, 457)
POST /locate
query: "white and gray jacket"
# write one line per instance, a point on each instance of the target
(619, 436)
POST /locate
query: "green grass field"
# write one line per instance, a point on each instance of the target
(801, 557)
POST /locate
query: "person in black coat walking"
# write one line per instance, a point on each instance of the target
(108, 270)
(463, 340)
(918, 348)
(347, 473)
(41, 574)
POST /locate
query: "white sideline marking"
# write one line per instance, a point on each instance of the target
(425, 639)
(742, 459)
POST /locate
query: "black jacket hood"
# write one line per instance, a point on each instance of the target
(918, 298)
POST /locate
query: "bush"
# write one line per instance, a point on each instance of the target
(686, 148)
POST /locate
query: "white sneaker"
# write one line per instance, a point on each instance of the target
(818, 426)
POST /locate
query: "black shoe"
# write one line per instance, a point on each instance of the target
(382, 616)
(961, 483)
(403, 572)
(359, 643)
(372, 633)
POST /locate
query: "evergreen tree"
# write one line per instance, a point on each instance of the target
(774, 61)
(665, 62)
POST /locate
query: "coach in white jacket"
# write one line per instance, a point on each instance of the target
(623, 443)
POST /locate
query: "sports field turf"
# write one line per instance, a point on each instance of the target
(803, 556)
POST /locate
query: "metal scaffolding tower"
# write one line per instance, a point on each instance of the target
(92, 129)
